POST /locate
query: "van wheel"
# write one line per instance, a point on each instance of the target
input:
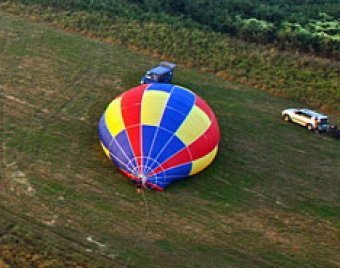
(286, 118)
(309, 127)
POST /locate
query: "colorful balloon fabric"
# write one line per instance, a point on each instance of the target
(159, 133)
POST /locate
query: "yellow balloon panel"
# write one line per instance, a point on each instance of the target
(106, 151)
(113, 117)
(203, 162)
(153, 105)
(196, 123)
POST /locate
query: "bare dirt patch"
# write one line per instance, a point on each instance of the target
(18, 256)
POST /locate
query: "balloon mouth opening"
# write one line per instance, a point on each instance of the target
(136, 179)
(143, 178)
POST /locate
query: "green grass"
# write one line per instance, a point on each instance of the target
(269, 199)
(320, 209)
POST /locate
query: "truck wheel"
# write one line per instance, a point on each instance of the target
(309, 127)
(286, 118)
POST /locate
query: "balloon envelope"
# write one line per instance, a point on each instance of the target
(159, 133)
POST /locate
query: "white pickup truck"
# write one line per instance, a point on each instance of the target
(307, 118)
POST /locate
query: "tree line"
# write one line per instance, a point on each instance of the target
(311, 26)
(309, 79)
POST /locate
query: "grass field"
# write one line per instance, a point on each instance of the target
(270, 199)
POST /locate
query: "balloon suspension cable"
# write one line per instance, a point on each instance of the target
(142, 231)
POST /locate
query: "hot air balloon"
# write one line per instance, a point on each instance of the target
(159, 133)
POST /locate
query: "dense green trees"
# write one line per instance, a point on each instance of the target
(308, 78)
(306, 25)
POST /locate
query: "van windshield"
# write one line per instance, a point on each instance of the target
(324, 121)
(151, 76)
(155, 77)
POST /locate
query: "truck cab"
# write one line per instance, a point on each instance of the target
(162, 73)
